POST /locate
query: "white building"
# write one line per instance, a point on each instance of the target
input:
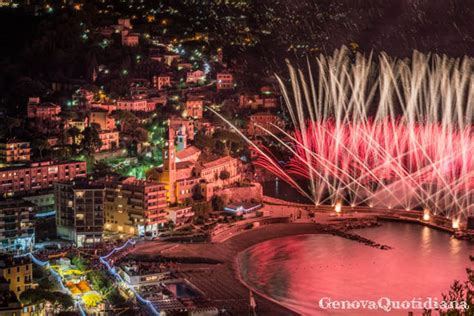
(181, 215)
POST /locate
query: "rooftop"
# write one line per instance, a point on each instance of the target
(8, 203)
(187, 152)
(40, 164)
(8, 261)
(13, 140)
(217, 162)
(184, 165)
(84, 184)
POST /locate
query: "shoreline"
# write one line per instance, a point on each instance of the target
(223, 283)
(255, 291)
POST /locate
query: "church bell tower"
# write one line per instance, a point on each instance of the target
(168, 175)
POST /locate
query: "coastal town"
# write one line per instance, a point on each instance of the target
(115, 160)
(136, 172)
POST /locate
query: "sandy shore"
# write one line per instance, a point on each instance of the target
(220, 282)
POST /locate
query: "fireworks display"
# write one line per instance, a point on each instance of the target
(386, 133)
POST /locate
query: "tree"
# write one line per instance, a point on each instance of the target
(91, 141)
(101, 169)
(99, 281)
(217, 203)
(171, 225)
(37, 296)
(470, 287)
(457, 293)
(115, 298)
(201, 208)
(62, 137)
(124, 118)
(68, 115)
(140, 134)
(74, 132)
(224, 175)
(12, 123)
(461, 292)
(41, 144)
(229, 142)
(203, 141)
(81, 263)
(198, 194)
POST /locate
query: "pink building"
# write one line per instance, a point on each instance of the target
(225, 81)
(160, 82)
(206, 126)
(135, 105)
(125, 23)
(194, 107)
(154, 102)
(110, 140)
(267, 121)
(42, 111)
(256, 101)
(109, 107)
(178, 122)
(39, 175)
(197, 76)
(82, 96)
(130, 39)
(102, 118)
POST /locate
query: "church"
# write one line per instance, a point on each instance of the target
(187, 174)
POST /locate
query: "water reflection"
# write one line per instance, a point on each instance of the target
(300, 270)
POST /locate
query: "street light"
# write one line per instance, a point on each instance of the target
(426, 215)
(455, 223)
(338, 207)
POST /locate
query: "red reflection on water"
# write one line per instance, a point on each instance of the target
(300, 270)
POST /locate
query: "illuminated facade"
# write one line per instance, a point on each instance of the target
(130, 39)
(183, 172)
(42, 111)
(225, 81)
(194, 107)
(110, 140)
(218, 173)
(39, 175)
(79, 211)
(266, 120)
(135, 105)
(134, 207)
(102, 118)
(18, 272)
(195, 77)
(256, 101)
(16, 225)
(181, 215)
(161, 82)
(14, 150)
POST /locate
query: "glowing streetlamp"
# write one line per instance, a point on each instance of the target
(426, 214)
(338, 207)
(455, 223)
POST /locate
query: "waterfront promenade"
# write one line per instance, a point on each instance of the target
(221, 281)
